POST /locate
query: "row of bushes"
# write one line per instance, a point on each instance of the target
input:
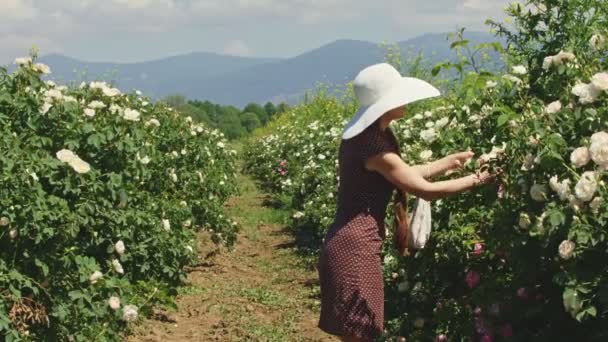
(102, 194)
(520, 260)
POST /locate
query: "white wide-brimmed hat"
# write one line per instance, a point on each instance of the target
(379, 89)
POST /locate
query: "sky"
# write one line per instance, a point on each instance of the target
(141, 30)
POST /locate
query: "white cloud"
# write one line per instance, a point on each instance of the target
(51, 23)
(237, 48)
(16, 9)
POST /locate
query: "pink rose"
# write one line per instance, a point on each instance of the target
(283, 163)
(486, 338)
(477, 311)
(477, 249)
(507, 331)
(472, 278)
(523, 293)
(441, 338)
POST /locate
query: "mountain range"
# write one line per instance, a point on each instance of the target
(232, 80)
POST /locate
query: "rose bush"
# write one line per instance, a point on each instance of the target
(518, 260)
(102, 193)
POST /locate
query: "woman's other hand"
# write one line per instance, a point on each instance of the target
(456, 160)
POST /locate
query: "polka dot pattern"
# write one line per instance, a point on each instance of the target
(350, 266)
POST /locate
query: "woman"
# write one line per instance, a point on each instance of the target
(350, 269)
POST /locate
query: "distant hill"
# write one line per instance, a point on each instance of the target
(237, 81)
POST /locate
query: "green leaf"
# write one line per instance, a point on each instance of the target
(502, 119)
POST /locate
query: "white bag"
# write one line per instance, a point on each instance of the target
(420, 224)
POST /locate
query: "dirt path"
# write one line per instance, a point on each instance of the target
(260, 291)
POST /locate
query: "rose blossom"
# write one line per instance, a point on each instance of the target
(586, 186)
(114, 303)
(580, 157)
(129, 313)
(472, 279)
(566, 249)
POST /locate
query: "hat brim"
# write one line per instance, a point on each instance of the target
(408, 90)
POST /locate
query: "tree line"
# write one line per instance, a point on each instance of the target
(230, 120)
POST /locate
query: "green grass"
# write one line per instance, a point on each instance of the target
(250, 213)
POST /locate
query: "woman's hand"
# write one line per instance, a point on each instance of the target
(482, 177)
(456, 160)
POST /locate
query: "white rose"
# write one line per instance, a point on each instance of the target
(553, 107)
(4, 221)
(129, 313)
(428, 135)
(95, 277)
(117, 266)
(428, 114)
(115, 109)
(429, 124)
(42, 68)
(153, 122)
(418, 117)
(586, 186)
(426, 155)
(599, 152)
(119, 247)
(566, 249)
(166, 225)
(520, 70)
(599, 138)
(131, 115)
(89, 112)
(96, 105)
(65, 155)
(80, 166)
(587, 93)
(220, 144)
(563, 56)
(580, 156)
(12, 234)
(561, 188)
(491, 84)
(600, 81)
(21, 61)
(538, 192)
(524, 221)
(439, 124)
(596, 204)
(145, 160)
(114, 303)
(110, 92)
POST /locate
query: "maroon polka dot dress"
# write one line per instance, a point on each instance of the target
(350, 266)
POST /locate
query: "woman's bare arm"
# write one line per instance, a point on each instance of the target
(443, 165)
(408, 179)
